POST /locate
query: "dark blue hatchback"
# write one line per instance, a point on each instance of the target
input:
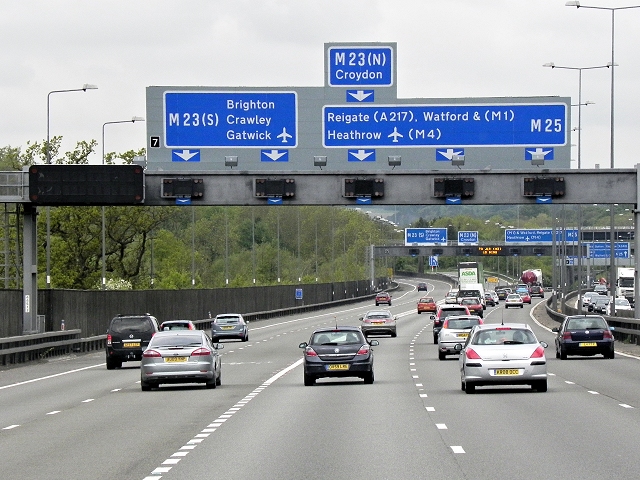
(584, 335)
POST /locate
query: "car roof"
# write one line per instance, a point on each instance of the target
(451, 307)
(339, 328)
(378, 312)
(463, 317)
(494, 326)
(187, 333)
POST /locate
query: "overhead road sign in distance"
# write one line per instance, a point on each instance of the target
(603, 249)
(468, 238)
(479, 125)
(425, 236)
(352, 66)
(230, 119)
(538, 235)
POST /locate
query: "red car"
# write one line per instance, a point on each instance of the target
(474, 305)
(526, 297)
(383, 297)
(427, 304)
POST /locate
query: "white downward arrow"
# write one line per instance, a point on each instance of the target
(275, 154)
(539, 151)
(449, 153)
(360, 95)
(361, 154)
(186, 155)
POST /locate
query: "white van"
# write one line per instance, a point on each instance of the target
(472, 290)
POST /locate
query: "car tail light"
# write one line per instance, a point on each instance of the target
(109, 339)
(201, 352)
(364, 350)
(445, 324)
(470, 353)
(192, 327)
(566, 336)
(310, 352)
(607, 334)
(503, 328)
(538, 352)
(148, 353)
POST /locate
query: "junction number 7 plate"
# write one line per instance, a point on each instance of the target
(338, 366)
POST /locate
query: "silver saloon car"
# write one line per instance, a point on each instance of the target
(180, 356)
(502, 354)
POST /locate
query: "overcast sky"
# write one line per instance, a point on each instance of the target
(445, 48)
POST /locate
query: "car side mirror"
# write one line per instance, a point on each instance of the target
(374, 343)
(613, 329)
(555, 329)
(218, 346)
(361, 318)
(544, 344)
(432, 317)
(303, 345)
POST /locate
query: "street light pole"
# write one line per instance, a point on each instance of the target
(85, 87)
(579, 69)
(104, 267)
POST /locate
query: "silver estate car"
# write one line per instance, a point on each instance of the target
(180, 356)
(229, 325)
(502, 354)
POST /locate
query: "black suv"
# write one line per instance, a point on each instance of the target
(127, 337)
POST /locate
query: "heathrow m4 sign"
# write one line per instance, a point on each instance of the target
(477, 125)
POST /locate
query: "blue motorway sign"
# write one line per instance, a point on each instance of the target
(467, 238)
(527, 125)
(538, 235)
(360, 66)
(425, 236)
(433, 261)
(249, 119)
(603, 249)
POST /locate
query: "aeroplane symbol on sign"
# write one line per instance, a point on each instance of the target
(395, 134)
(284, 135)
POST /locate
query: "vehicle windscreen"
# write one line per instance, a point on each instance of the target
(586, 323)
(337, 338)
(169, 341)
(462, 323)
(227, 320)
(511, 336)
(449, 312)
(131, 324)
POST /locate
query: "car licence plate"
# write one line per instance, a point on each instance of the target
(131, 344)
(507, 371)
(175, 359)
(377, 323)
(338, 366)
(462, 335)
(228, 328)
(588, 344)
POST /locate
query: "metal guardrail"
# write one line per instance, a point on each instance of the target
(35, 347)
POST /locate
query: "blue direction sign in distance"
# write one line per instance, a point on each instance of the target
(467, 238)
(603, 249)
(425, 236)
(350, 126)
(538, 235)
(360, 66)
(252, 119)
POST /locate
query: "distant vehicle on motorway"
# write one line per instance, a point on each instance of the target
(621, 305)
(180, 356)
(383, 297)
(536, 291)
(503, 292)
(378, 322)
(341, 351)
(127, 337)
(526, 297)
(427, 304)
(455, 330)
(599, 304)
(229, 326)
(502, 354)
(513, 300)
(451, 297)
(601, 289)
(443, 312)
(422, 286)
(587, 297)
(584, 335)
(177, 325)
(474, 305)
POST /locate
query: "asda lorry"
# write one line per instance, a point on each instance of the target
(470, 272)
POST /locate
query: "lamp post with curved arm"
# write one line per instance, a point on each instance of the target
(85, 87)
(104, 268)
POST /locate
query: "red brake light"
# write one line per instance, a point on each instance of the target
(445, 324)
(607, 334)
(566, 335)
(470, 353)
(148, 353)
(192, 327)
(503, 328)
(310, 352)
(109, 339)
(538, 352)
(201, 352)
(364, 350)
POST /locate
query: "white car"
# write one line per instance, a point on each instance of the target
(513, 300)
(455, 330)
(502, 354)
(451, 297)
(621, 304)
